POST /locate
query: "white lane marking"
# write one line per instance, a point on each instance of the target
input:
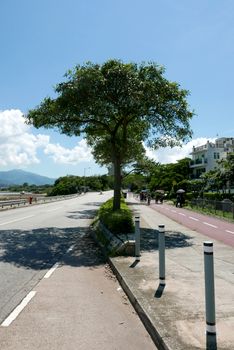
(18, 309)
(230, 232)
(53, 209)
(192, 218)
(206, 223)
(53, 268)
(71, 248)
(182, 214)
(10, 222)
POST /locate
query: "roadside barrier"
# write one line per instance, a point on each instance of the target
(12, 202)
(208, 274)
(38, 200)
(209, 287)
(137, 238)
(224, 207)
(161, 249)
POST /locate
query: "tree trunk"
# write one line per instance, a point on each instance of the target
(117, 184)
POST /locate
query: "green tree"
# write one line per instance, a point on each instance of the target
(65, 185)
(227, 171)
(107, 182)
(169, 176)
(221, 178)
(135, 182)
(117, 106)
(212, 180)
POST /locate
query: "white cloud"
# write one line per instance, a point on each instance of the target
(171, 155)
(73, 156)
(18, 147)
(12, 124)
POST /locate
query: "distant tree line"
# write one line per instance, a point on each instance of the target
(146, 174)
(173, 176)
(25, 187)
(151, 175)
(71, 184)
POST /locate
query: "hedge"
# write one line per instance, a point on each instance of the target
(210, 196)
(119, 221)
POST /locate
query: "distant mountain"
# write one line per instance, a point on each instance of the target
(19, 177)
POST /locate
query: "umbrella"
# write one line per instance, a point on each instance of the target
(180, 191)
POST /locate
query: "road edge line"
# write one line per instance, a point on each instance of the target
(51, 270)
(14, 314)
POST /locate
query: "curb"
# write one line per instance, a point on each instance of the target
(156, 337)
(144, 317)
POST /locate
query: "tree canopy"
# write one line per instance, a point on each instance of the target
(71, 184)
(221, 177)
(117, 106)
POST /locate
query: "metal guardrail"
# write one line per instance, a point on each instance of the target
(12, 202)
(35, 200)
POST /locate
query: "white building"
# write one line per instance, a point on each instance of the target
(205, 157)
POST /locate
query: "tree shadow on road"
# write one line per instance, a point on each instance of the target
(173, 239)
(82, 214)
(40, 248)
(94, 204)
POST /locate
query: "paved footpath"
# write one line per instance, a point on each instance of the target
(79, 306)
(175, 316)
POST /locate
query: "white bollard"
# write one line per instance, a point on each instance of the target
(161, 250)
(137, 238)
(209, 288)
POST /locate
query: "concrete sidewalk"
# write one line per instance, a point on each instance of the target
(175, 316)
(80, 306)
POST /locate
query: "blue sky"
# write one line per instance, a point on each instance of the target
(41, 40)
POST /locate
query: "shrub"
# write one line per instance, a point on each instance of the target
(190, 195)
(210, 196)
(218, 196)
(119, 221)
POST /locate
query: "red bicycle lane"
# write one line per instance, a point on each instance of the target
(210, 226)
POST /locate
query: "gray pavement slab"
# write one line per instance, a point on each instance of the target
(175, 316)
(80, 306)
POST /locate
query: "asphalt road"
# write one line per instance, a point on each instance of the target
(32, 239)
